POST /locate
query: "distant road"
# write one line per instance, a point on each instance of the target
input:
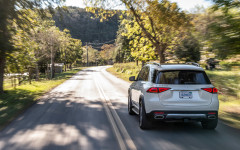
(89, 112)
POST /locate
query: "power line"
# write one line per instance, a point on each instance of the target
(98, 32)
(102, 43)
(97, 47)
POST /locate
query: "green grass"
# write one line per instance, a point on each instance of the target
(15, 101)
(227, 82)
(125, 70)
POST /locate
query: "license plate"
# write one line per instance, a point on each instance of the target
(185, 94)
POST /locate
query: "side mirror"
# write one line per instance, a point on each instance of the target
(132, 78)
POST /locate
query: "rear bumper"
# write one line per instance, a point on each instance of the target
(182, 115)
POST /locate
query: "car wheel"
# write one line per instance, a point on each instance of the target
(130, 106)
(144, 123)
(210, 124)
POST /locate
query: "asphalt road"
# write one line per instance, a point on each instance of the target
(89, 111)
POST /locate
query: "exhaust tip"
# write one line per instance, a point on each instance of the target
(159, 117)
(211, 117)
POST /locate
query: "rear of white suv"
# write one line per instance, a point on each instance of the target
(173, 93)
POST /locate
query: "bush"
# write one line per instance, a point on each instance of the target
(228, 65)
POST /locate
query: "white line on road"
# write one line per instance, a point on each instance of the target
(112, 115)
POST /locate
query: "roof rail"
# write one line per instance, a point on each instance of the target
(193, 63)
(154, 63)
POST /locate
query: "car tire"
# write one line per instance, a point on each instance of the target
(144, 123)
(130, 106)
(210, 124)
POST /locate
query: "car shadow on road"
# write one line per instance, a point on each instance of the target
(178, 135)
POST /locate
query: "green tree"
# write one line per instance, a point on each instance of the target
(9, 12)
(224, 32)
(162, 22)
(43, 44)
(70, 49)
(225, 5)
(188, 50)
(123, 49)
(108, 53)
(141, 48)
(91, 54)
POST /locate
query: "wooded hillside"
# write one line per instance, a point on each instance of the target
(83, 25)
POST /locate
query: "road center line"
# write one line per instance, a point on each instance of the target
(115, 116)
(111, 120)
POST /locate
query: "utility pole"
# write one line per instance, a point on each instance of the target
(52, 61)
(87, 54)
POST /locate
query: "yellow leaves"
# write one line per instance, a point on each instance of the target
(121, 17)
(174, 6)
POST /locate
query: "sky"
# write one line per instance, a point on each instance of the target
(186, 5)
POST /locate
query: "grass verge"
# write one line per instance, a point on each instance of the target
(227, 82)
(15, 101)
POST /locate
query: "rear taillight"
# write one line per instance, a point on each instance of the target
(210, 90)
(212, 113)
(159, 113)
(157, 90)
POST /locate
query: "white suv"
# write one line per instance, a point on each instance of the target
(173, 92)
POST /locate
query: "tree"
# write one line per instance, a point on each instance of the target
(70, 49)
(9, 12)
(50, 43)
(75, 52)
(141, 48)
(162, 23)
(188, 50)
(123, 49)
(225, 30)
(91, 54)
(40, 45)
(226, 5)
(107, 54)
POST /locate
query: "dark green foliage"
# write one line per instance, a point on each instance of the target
(225, 30)
(84, 26)
(188, 50)
(226, 4)
(123, 47)
(225, 35)
(9, 12)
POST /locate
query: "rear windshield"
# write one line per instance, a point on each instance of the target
(181, 77)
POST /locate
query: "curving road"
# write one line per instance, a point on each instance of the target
(89, 111)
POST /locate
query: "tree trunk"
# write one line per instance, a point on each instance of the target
(162, 57)
(37, 72)
(19, 79)
(15, 82)
(5, 37)
(65, 61)
(87, 55)
(143, 63)
(30, 75)
(137, 62)
(52, 63)
(160, 50)
(47, 72)
(52, 70)
(2, 66)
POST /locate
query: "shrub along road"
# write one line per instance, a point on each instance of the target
(89, 111)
